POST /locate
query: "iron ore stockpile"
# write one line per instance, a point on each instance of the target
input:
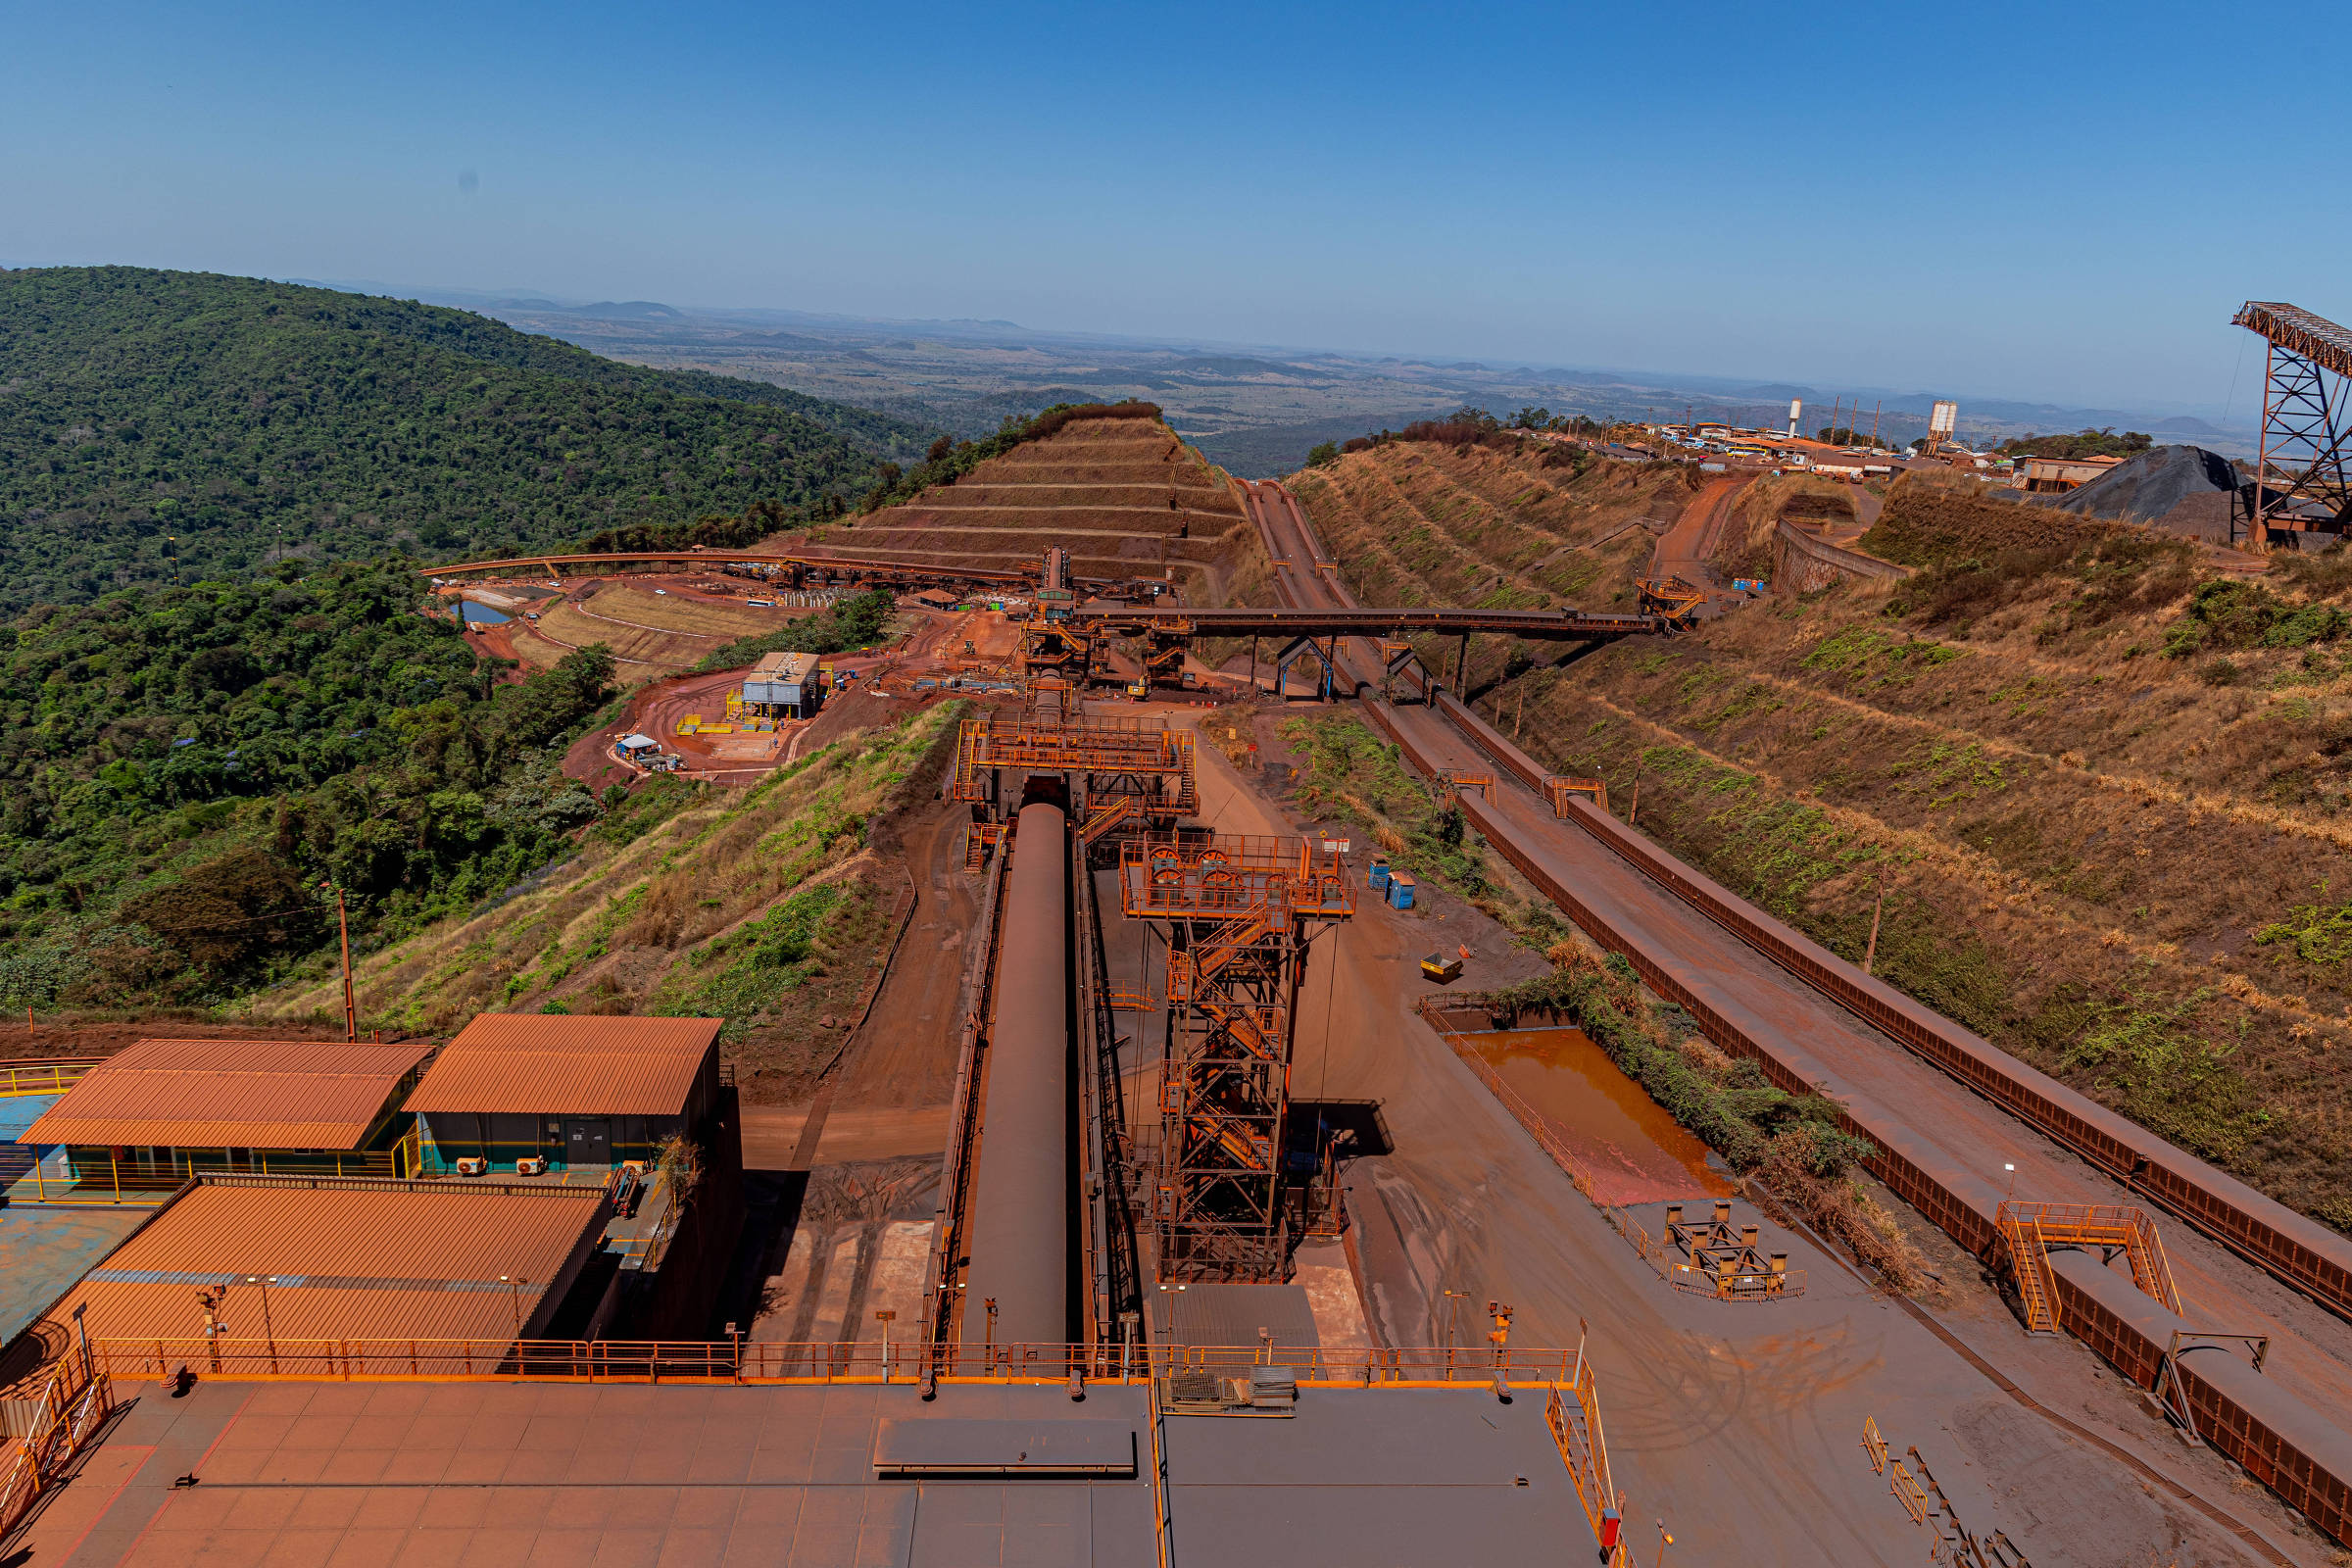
(1249, 1242)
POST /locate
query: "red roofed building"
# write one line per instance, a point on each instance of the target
(149, 1117)
(582, 1094)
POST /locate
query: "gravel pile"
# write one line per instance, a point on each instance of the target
(2152, 486)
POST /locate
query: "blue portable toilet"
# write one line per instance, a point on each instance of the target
(1400, 892)
(1378, 879)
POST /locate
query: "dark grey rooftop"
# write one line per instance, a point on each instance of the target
(302, 1473)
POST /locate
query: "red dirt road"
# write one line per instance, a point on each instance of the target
(1687, 549)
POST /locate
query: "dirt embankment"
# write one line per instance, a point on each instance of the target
(103, 1037)
(1126, 496)
(2106, 790)
(1423, 523)
(771, 907)
(1743, 548)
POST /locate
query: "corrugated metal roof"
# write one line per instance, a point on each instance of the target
(360, 1259)
(528, 1064)
(1225, 1315)
(236, 1094)
(785, 666)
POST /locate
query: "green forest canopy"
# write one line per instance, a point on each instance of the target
(158, 426)
(182, 768)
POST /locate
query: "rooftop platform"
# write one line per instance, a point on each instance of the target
(438, 1261)
(318, 1473)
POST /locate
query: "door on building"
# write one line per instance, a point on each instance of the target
(587, 1141)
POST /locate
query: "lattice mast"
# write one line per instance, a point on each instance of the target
(1238, 915)
(2303, 467)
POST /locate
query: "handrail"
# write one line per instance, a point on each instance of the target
(500, 1357)
(43, 1075)
(74, 1404)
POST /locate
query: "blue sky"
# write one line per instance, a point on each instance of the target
(2053, 202)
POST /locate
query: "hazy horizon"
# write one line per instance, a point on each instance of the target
(1892, 207)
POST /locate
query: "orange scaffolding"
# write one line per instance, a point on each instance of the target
(1142, 758)
(1237, 914)
(2033, 1229)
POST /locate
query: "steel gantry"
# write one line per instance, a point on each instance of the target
(1238, 915)
(2303, 471)
(1140, 759)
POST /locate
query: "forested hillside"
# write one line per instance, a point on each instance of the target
(180, 770)
(157, 426)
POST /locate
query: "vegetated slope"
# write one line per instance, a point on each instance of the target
(184, 767)
(768, 906)
(2105, 793)
(160, 424)
(1116, 487)
(1524, 523)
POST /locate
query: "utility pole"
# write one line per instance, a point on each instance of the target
(1875, 409)
(351, 1006)
(1871, 953)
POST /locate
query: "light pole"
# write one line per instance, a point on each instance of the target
(1664, 1541)
(2012, 1170)
(268, 1329)
(209, 1299)
(514, 1284)
(886, 1317)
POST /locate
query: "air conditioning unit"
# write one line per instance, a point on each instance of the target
(470, 1166)
(531, 1165)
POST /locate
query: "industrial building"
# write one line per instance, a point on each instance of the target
(2054, 475)
(143, 1121)
(783, 686)
(253, 1269)
(546, 1093)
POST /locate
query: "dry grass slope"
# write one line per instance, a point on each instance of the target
(767, 907)
(2111, 804)
(1421, 523)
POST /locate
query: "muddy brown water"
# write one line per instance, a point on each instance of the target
(1633, 1152)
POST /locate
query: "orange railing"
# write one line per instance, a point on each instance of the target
(70, 1408)
(499, 1358)
(136, 1180)
(2031, 1229)
(1572, 1410)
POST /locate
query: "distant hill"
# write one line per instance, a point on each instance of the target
(155, 425)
